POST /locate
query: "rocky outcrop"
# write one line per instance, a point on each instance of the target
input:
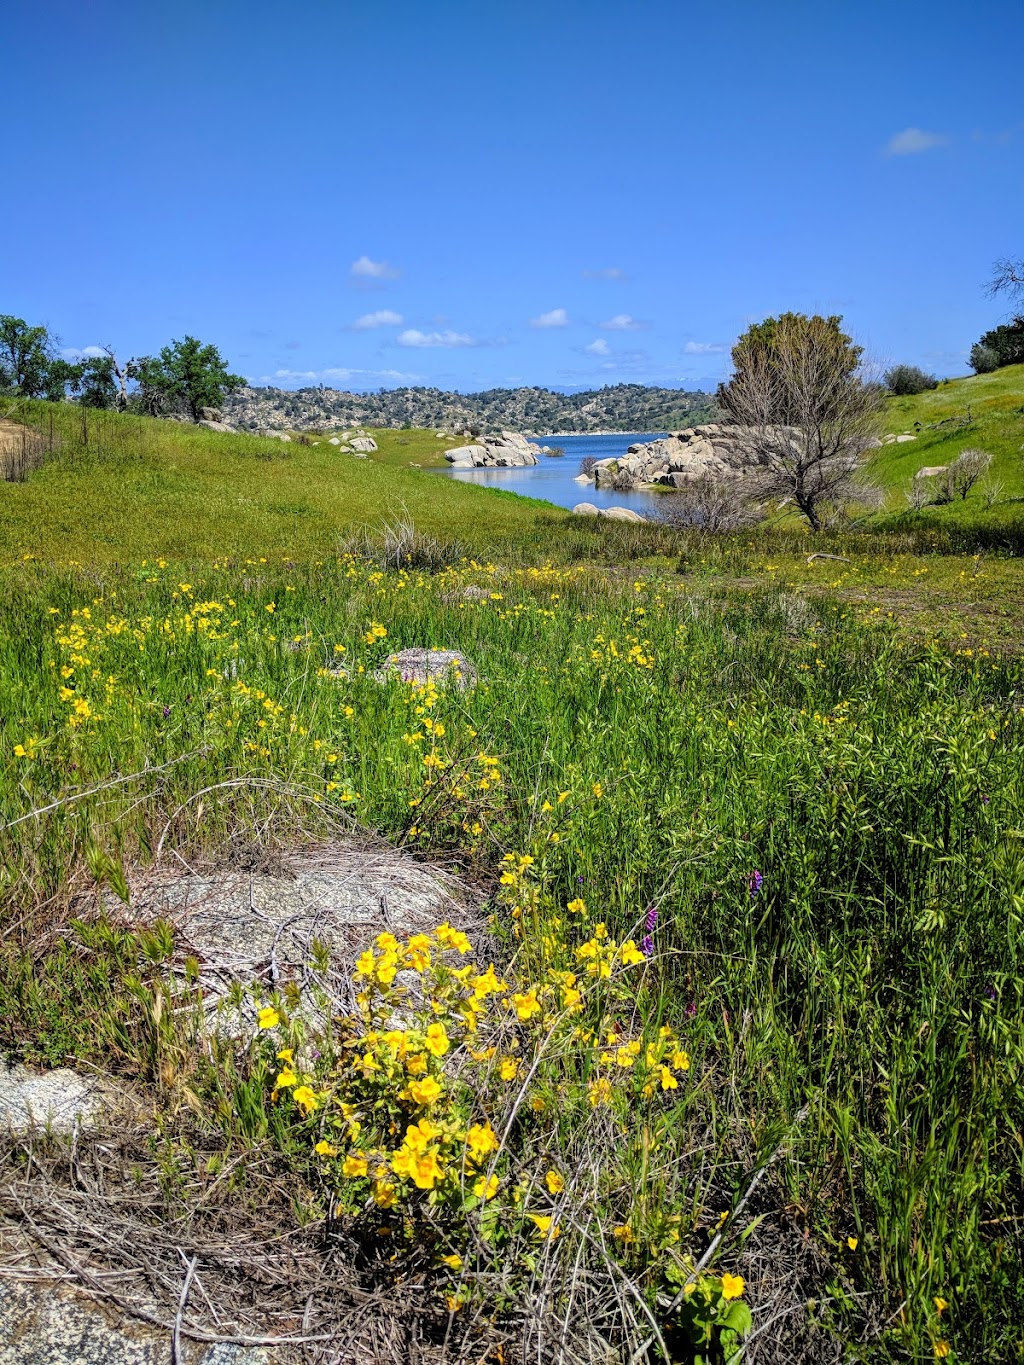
(675, 460)
(362, 443)
(494, 452)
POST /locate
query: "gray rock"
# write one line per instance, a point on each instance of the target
(621, 514)
(212, 414)
(276, 435)
(905, 437)
(931, 471)
(211, 425)
(43, 1325)
(363, 443)
(585, 509)
(465, 457)
(422, 665)
(582, 478)
(54, 1100)
(334, 441)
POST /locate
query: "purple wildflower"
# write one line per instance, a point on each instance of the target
(647, 945)
(755, 882)
(167, 712)
(651, 919)
(985, 799)
(691, 1010)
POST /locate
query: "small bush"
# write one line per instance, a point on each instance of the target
(965, 471)
(401, 545)
(587, 464)
(983, 359)
(904, 380)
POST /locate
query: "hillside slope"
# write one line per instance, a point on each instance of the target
(123, 488)
(619, 407)
(984, 411)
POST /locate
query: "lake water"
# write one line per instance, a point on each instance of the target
(552, 477)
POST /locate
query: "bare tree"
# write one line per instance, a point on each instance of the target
(120, 374)
(808, 411)
(1007, 278)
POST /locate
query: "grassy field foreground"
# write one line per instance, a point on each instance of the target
(755, 863)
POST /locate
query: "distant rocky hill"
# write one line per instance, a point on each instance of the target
(621, 407)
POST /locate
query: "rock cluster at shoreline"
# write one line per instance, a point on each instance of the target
(677, 459)
(494, 452)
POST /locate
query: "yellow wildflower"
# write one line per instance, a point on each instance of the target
(481, 1140)
(509, 1069)
(732, 1286)
(436, 1040)
(267, 1017)
(424, 1092)
(354, 1165)
(286, 1077)
(305, 1098)
(554, 1182)
(324, 1148)
(526, 1005)
(486, 1187)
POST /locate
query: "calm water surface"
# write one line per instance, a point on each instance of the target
(552, 478)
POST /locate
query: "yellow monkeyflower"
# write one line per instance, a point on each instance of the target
(526, 1005)
(354, 1165)
(436, 1040)
(384, 1193)
(852, 1243)
(554, 1182)
(940, 1306)
(577, 907)
(324, 1148)
(599, 1092)
(416, 1064)
(732, 1286)
(486, 1187)
(285, 1055)
(509, 1069)
(542, 1222)
(286, 1077)
(668, 1081)
(941, 1350)
(424, 1092)
(305, 1098)
(631, 954)
(267, 1017)
(447, 937)
(423, 1168)
(452, 1262)
(481, 1140)
(680, 1060)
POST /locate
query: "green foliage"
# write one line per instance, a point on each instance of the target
(983, 359)
(902, 380)
(1005, 342)
(29, 364)
(185, 377)
(772, 351)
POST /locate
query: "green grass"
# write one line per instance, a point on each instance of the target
(137, 488)
(850, 729)
(995, 405)
(873, 779)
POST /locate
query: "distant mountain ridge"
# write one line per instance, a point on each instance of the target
(619, 407)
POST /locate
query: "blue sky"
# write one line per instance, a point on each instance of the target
(488, 194)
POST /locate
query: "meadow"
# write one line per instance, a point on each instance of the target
(747, 826)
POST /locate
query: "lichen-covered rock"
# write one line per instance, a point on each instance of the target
(425, 665)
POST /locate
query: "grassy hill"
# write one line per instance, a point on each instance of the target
(983, 411)
(120, 487)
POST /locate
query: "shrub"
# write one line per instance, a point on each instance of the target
(1006, 342)
(983, 359)
(587, 464)
(903, 380)
(965, 471)
(401, 544)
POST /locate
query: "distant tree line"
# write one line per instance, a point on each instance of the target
(180, 381)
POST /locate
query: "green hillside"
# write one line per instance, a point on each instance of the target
(122, 488)
(984, 411)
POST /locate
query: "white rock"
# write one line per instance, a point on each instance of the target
(334, 441)
(585, 509)
(621, 514)
(48, 1099)
(363, 443)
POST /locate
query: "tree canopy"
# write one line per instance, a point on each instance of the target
(186, 377)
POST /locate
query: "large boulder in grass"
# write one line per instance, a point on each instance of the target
(55, 1101)
(621, 514)
(429, 665)
(585, 509)
(364, 444)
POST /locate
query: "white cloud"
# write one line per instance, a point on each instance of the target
(365, 269)
(702, 348)
(558, 317)
(913, 140)
(413, 337)
(384, 317)
(598, 347)
(611, 273)
(622, 322)
(83, 352)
